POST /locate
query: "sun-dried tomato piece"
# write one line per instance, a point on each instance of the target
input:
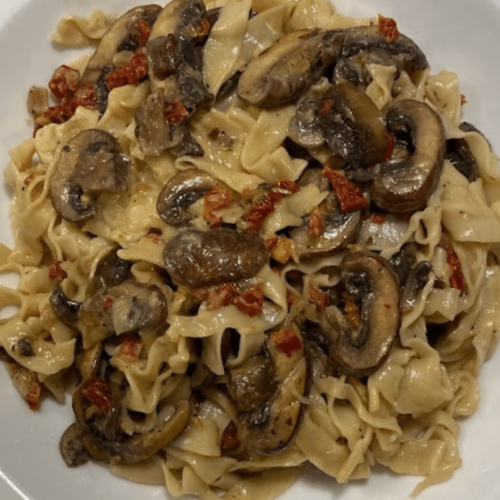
(457, 279)
(349, 195)
(388, 28)
(86, 96)
(326, 107)
(64, 82)
(216, 296)
(217, 198)
(318, 297)
(59, 113)
(287, 185)
(229, 439)
(140, 32)
(175, 112)
(56, 272)
(282, 250)
(377, 217)
(98, 393)
(134, 71)
(130, 346)
(315, 223)
(28, 179)
(250, 301)
(286, 341)
(262, 208)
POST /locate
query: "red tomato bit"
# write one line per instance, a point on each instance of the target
(388, 28)
(262, 208)
(140, 32)
(457, 279)
(131, 346)
(134, 71)
(318, 297)
(219, 197)
(287, 185)
(175, 112)
(229, 439)
(98, 393)
(64, 82)
(286, 341)
(315, 224)
(250, 301)
(56, 272)
(349, 195)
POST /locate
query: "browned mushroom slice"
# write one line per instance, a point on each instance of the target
(267, 389)
(367, 45)
(124, 308)
(354, 127)
(415, 282)
(72, 448)
(461, 157)
(91, 163)
(305, 127)
(118, 38)
(97, 407)
(338, 230)
(197, 258)
(405, 185)
(289, 67)
(359, 349)
(180, 193)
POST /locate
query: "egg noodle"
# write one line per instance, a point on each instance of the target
(237, 288)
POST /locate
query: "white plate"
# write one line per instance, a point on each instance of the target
(460, 35)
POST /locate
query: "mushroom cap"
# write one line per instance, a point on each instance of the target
(89, 164)
(354, 127)
(281, 73)
(359, 350)
(197, 258)
(184, 189)
(267, 389)
(116, 36)
(405, 185)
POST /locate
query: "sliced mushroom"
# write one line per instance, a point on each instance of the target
(339, 230)
(118, 38)
(366, 45)
(405, 185)
(38, 101)
(110, 272)
(359, 349)
(180, 193)
(123, 308)
(64, 308)
(197, 258)
(284, 71)
(140, 447)
(91, 163)
(416, 281)
(305, 128)
(267, 390)
(354, 127)
(99, 432)
(72, 448)
(460, 155)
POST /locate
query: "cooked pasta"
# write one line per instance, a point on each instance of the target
(252, 236)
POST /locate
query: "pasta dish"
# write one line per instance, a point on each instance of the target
(252, 238)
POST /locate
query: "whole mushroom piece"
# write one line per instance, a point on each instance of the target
(180, 193)
(359, 349)
(97, 431)
(117, 39)
(197, 258)
(90, 164)
(267, 388)
(281, 73)
(405, 185)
